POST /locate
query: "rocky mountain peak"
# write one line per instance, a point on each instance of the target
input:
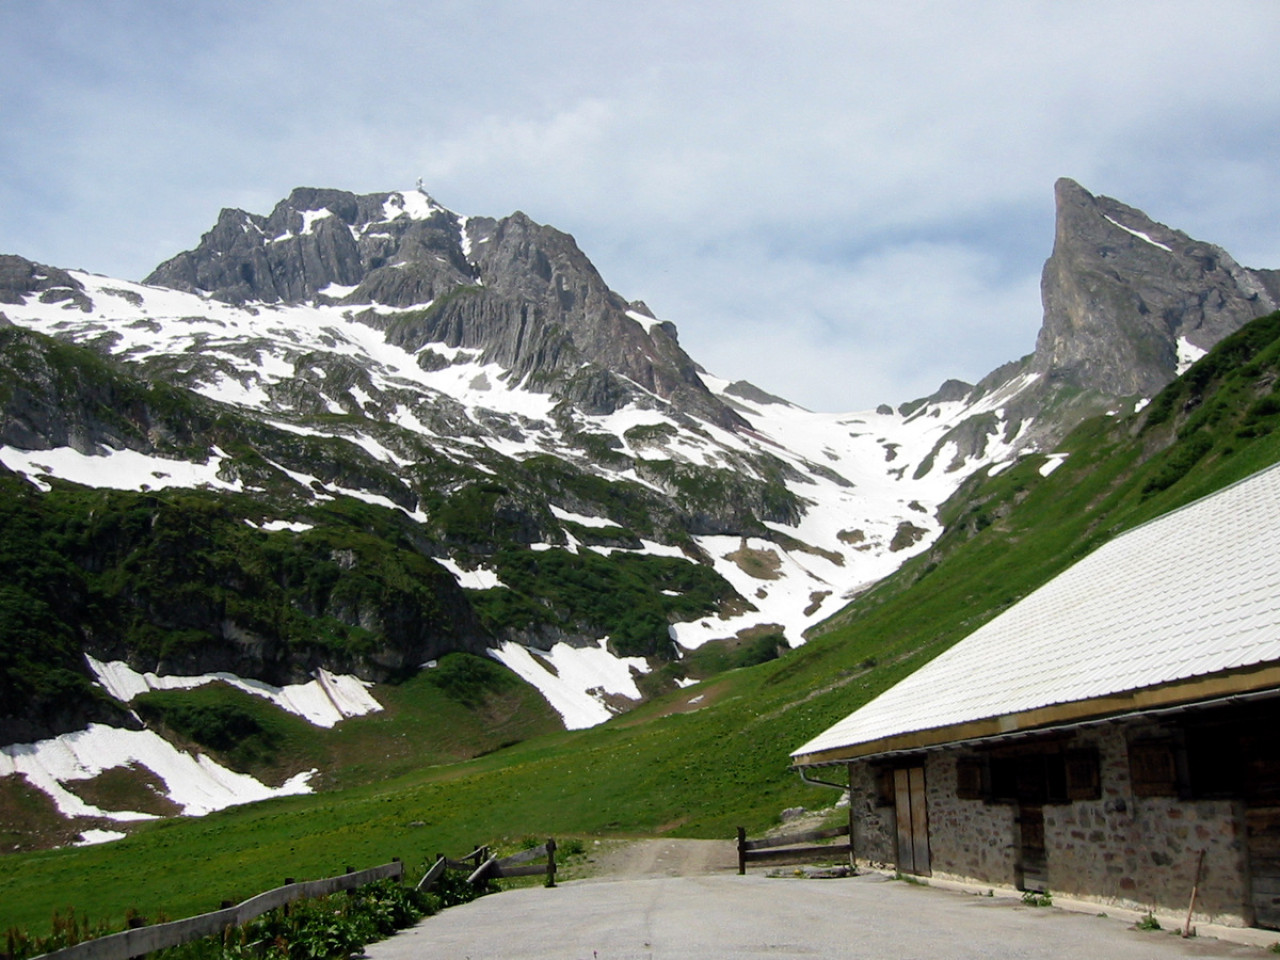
(1126, 298)
(1129, 304)
(521, 293)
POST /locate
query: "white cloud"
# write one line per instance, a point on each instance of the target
(840, 335)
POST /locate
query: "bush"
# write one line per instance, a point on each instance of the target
(468, 679)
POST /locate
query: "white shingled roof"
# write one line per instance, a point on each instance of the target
(1192, 593)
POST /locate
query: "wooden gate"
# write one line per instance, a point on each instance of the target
(913, 821)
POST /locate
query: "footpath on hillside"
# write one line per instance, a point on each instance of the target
(631, 859)
(683, 900)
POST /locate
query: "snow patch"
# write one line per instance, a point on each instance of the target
(273, 526)
(464, 240)
(197, 784)
(1188, 353)
(477, 579)
(309, 218)
(338, 290)
(116, 469)
(1140, 235)
(324, 701)
(581, 519)
(1052, 463)
(647, 322)
(582, 677)
(414, 204)
(90, 837)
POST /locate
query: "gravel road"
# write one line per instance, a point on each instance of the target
(642, 911)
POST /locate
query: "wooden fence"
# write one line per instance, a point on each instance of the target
(792, 848)
(519, 865)
(141, 940)
(469, 863)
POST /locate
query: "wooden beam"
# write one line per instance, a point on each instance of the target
(838, 851)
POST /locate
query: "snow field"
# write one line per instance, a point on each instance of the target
(197, 784)
(480, 578)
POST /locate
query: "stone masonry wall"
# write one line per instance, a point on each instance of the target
(1141, 852)
(874, 826)
(968, 838)
(1133, 851)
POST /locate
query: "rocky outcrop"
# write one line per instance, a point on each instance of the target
(324, 244)
(521, 293)
(20, 278)
(58, 395)
(1120, 291)
(1128, 304)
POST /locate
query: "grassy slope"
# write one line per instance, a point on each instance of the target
(701, 773)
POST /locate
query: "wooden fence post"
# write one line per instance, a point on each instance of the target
(853, 851)
(742, 851)
(551, 862)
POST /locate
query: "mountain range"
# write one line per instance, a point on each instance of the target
(327, 448)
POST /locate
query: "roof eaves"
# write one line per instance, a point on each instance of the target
(1254, 679)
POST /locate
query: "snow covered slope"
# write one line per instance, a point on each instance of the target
(865, 486)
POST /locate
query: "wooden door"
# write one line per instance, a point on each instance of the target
(912, 820)
(1260, 760)
(1263, 823)
(1033, 861)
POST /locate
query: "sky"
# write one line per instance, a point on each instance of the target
(845, 203)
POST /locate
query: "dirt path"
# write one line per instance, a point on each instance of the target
(631, 859)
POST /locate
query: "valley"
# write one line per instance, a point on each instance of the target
(271, 495)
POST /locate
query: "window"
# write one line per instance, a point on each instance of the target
(1084, 781)
(884, 787)
(1153, 768)
(1042, 774)
(969, 779)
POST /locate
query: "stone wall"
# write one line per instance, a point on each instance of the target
(968, 838)
(1141, 852)
(874, 829)
(1133, 851)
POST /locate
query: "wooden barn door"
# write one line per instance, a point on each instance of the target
(1260, 758)
(913, 821)
(1263, 824)
(1033, 861)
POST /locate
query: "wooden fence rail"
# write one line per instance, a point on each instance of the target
(141, 940)
(788, 849)
(515, 865)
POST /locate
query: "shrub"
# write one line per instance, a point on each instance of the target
(1148, 922)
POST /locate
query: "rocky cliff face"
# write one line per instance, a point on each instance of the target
(521, 293)
(1126, 297)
